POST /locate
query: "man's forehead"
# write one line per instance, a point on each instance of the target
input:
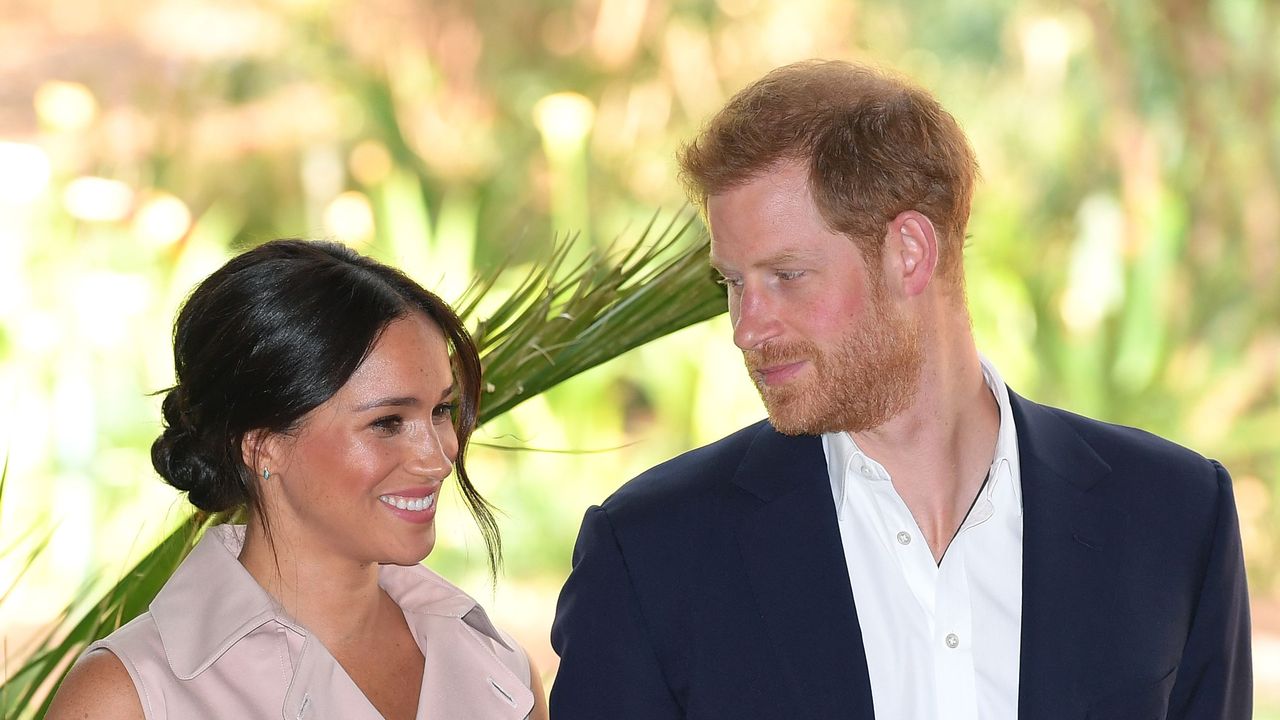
(789, 175)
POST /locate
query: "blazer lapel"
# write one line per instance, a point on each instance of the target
(1068, 537)
(794, 559)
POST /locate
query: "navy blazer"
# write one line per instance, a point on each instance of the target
(715, 586)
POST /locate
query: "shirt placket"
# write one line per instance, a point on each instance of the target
(901, 536)
(942, 591)
(952, 640)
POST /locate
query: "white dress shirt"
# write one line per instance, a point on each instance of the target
(942, 641)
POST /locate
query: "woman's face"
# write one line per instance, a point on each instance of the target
(360, 478)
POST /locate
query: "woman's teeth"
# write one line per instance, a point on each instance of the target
(407, 503)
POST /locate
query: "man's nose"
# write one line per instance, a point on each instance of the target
(755, 317)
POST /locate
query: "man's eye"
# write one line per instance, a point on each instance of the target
(388, 425)
(789, 274)
(726, 282)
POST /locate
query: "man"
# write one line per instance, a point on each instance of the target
(905, 538)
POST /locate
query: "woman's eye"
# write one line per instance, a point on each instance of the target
(388, 425)
(443, 411)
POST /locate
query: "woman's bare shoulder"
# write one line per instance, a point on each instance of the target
(98, 687)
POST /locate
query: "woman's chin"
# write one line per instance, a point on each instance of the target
(414, 554)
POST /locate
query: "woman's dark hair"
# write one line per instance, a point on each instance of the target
(269, 337)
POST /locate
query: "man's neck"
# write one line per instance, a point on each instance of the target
(939, 449)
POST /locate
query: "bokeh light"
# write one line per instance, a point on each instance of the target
(65, 106)
(97, 199)
(1046, 45)
(349, 217)
(370, 162)
(161, 219)
(24, 172)
(564, 119)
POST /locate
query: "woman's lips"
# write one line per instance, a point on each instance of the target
(415, 506)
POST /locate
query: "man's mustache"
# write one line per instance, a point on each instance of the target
(775, 354)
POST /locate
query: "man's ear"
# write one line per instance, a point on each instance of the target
(911, 251)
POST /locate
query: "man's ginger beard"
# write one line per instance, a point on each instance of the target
(870, 375)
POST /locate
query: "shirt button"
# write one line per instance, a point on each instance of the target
(904, 538)
(952, 641)
(866, 470)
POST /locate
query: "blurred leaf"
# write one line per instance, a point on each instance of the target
(32, 555)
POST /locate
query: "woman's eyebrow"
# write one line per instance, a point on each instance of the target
(394, 401)
(401, 400)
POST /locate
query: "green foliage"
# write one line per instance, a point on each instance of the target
(567, 318)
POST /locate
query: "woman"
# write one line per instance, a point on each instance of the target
(331, 396)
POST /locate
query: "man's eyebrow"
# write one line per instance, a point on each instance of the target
(783, 257)
(786, 257)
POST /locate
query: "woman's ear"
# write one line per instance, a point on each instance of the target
(261, 452)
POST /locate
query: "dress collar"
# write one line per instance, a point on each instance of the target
(211, 602)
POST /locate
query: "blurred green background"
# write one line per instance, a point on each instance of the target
(1123, 257)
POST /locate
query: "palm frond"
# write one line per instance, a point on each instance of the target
(27, 564)
(567, 318)
(562, 318)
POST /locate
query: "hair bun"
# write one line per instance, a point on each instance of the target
(190, 465)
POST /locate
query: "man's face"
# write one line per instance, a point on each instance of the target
(826, 345)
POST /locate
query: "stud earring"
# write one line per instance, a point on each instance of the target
(266, 474)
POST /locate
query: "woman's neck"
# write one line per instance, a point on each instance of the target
(337, 599)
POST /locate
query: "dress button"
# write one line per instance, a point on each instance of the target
(904, 538)
(952, 641)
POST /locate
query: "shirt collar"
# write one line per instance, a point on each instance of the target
(1006, 452)
(211, 602)
(845, 459)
